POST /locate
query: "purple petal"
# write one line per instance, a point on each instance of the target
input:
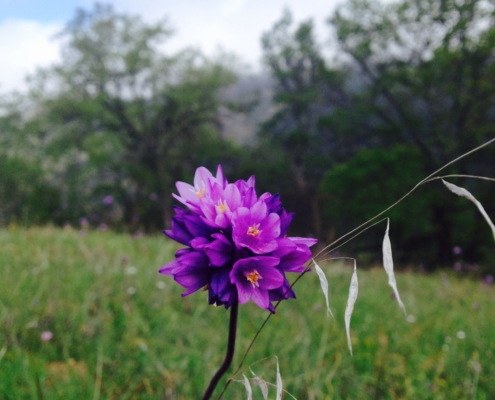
(251, 181)
(294, 262)
(208, 209)
(199, 243)
(232, 196)
(284, 247)
(186, 191)
(201, 177)
(259, 297)
(270, 227)
(306, 241)
(284, 292)
(271, 277)
(258, 211)
(220, 290)
(197, 227)
(285, 220)
(220, 178)
(274, 204)
(179, 233)
(168, 269)
(219, 251)
(249, 198)
(192, 280)
(193, 259)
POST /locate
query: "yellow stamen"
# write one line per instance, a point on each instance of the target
(253, 230)
(201, 192)
(222, 207)
(253, 277)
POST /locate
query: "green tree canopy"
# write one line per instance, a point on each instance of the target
(120, 117)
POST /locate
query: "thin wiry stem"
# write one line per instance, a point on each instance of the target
(230, 351)
(427, 179)
(407, 194)
(320, 254)
(485, 178)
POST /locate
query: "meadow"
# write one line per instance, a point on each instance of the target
(88, 317)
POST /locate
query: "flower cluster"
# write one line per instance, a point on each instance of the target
(237, 247)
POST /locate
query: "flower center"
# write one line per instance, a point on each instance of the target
(253, 278)
(201, 192)
(253, 230)
(222, 207)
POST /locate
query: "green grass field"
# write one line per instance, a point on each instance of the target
(122, 331)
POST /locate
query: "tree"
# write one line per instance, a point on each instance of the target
(429, 79)
(302, 83)
(119, 117)
(429, 70)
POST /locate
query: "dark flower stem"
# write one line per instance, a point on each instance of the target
(258, 332)
(230, 351)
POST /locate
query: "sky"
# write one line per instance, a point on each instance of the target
(28, 27)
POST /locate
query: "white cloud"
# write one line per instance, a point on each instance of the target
(234, 25)
(24, 46)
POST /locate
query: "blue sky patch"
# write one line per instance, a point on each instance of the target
(44, 11)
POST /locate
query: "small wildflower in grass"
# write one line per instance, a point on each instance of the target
(130, 270)
(160, 285)
(46, 336)
(103, 227)
(457, 250)
(131, 291)
(136, 235)
(108, 200)
(461, 335)
(237, 243)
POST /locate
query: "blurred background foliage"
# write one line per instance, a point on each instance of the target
(102, 137)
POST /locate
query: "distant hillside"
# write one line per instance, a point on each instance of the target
(249, 104)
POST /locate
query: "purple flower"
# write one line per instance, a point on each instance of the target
(254, 277)
(46, 336)
(108, 200)
(236, 242)
(255, 228)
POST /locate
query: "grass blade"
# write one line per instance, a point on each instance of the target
(464, 193)
(388, 264)
(324, 285)
(353, 293)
